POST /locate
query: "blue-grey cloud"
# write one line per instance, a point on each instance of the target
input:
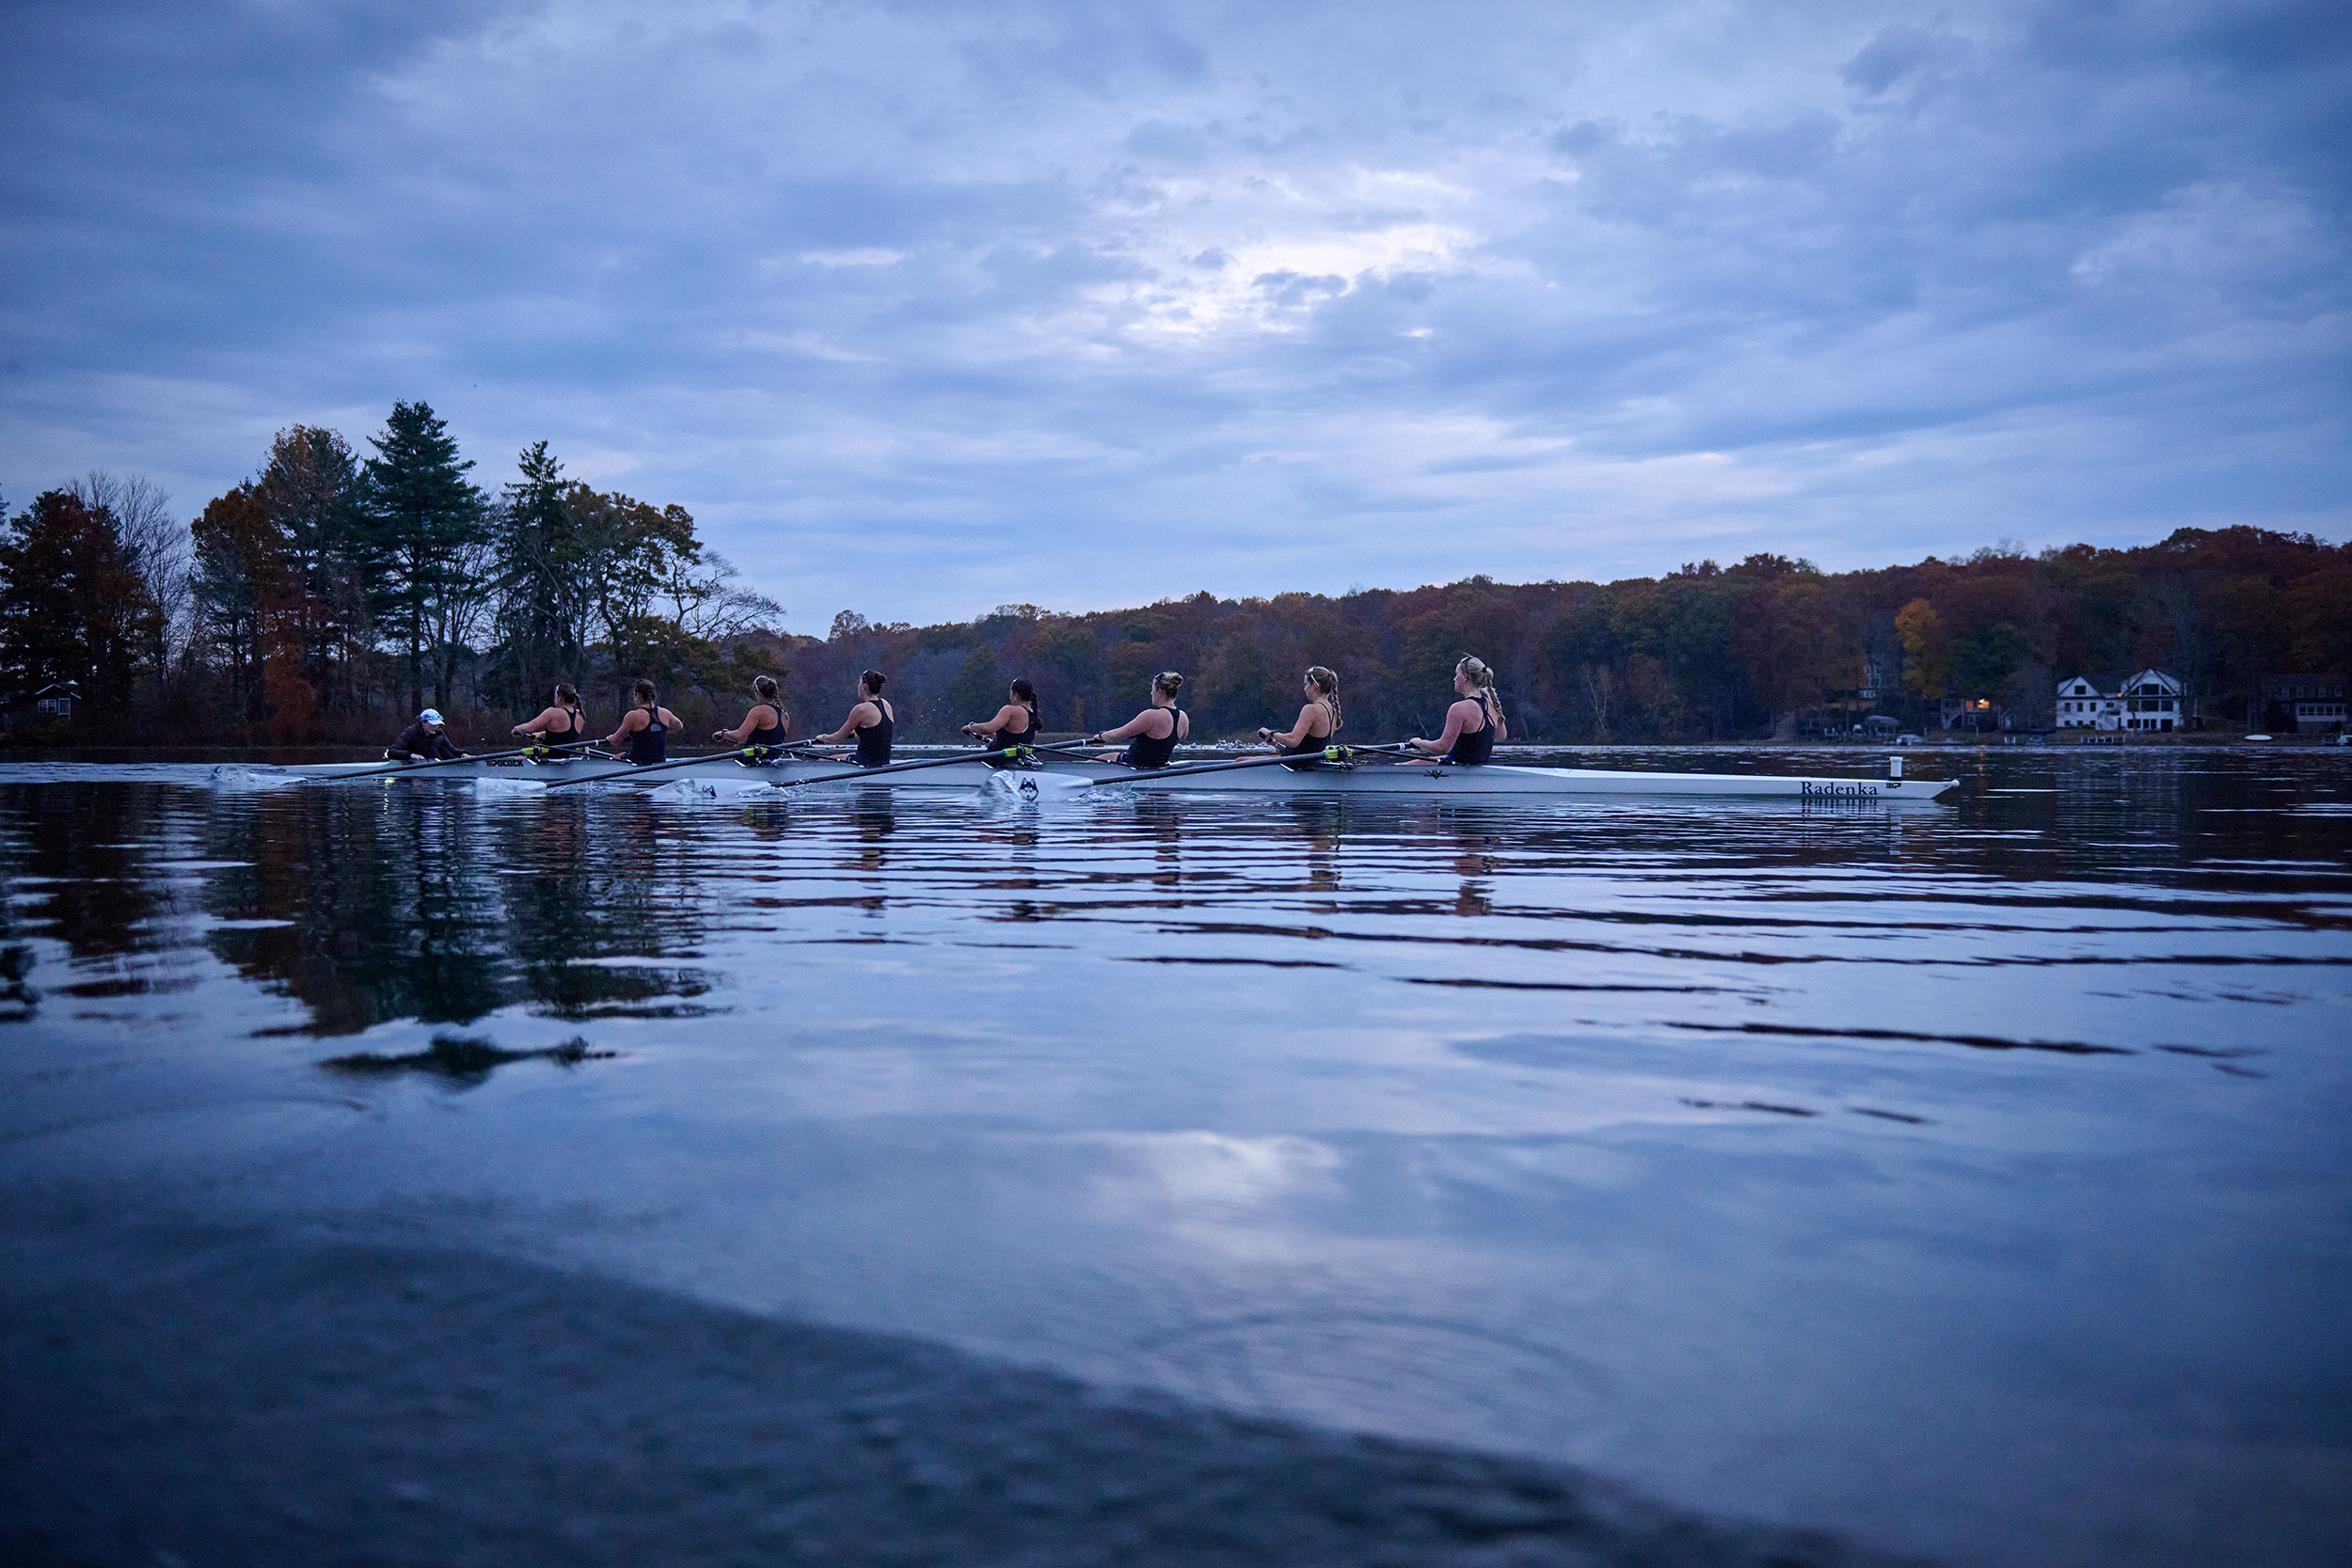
(922, 308)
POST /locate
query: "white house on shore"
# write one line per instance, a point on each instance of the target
(2149, 700)
(2083, 703)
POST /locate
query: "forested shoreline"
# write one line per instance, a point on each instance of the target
(332, 595)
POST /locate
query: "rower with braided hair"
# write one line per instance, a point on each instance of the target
(1318, 723)
(1473, 723)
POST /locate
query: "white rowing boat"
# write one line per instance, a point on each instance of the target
(1057, 777)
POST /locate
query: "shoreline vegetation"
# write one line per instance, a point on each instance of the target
(327, 599)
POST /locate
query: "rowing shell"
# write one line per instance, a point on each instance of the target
(1061, 778)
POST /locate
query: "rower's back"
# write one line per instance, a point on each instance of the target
(1473, 747)
(1151, 751)
(652, 743)
(873, 740)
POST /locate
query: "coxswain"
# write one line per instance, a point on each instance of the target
(645, 728)
(1473, 723)
(870, 721)
(560, 724)
(1318, 723)
(766, 725)
(1015, 723)
(1151, 734)
(422, 742)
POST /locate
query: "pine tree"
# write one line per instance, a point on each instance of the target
(536, 556)
(72, 606)
(312, 487)
(423, 518)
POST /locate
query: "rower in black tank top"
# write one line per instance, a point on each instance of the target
(1006, 739)
(773, 733)
(652, 743)
(576, 722)
(1311, 745)
(873, 741)
(1473, 747)
(1145, 752)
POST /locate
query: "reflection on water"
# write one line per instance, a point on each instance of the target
(1819, 1161)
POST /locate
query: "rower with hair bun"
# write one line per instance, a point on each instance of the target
(1151, 734)
(645, 728)
(1473, 723)
(871, 721)
(765, 725)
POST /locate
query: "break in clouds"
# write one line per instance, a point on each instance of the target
(919, 308)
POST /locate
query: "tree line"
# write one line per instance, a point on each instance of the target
(331, 594)
(1769, 645)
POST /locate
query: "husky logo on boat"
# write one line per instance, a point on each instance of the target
(1028, 789)
(1839, 791)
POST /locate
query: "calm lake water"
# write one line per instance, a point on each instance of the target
(1968, 1180)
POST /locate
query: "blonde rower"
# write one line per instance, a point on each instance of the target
(1473, 723)
(1318, 722)
(766, 724)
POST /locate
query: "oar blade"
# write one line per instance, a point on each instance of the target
(1032, 788)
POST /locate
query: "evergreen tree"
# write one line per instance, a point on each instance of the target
(536, 559)
(311, 488)
(423, 518)
(72, 606)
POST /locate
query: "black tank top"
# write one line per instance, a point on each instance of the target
(1473, 747)
(1004, 739)
(1311, 745)
(873, 741)
(1144, 752)
(571, 717)
(652, 743)
(772, 735)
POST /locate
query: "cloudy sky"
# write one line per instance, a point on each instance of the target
(922, 308)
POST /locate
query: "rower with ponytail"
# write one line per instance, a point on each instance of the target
(1475, 721)
(1318, 723)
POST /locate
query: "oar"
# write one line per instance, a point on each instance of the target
(394, 768)
(756, 754)
(1012, 753)
(1168, 775)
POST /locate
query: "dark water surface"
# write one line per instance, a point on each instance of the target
(1969, 1181)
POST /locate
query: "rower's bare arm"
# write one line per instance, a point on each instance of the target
(1297, 733)
(1455, 716)
(850, 726)
(996, 726)
(1132, 728)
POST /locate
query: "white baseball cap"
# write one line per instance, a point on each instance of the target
(429, 717)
